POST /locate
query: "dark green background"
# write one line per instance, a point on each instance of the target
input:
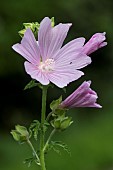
(90, 138)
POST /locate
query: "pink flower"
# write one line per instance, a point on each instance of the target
(46, 60)
(96, 42)
(84, 96)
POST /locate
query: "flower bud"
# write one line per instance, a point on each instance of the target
(62, 123)
(83, 96)
(95, 42)
(20, 134)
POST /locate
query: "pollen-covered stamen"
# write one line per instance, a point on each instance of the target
(47, 66)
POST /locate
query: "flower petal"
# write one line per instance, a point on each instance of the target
(44, 37)
(35, 73)
(70, 48)
(63, 78)
(59, 34)
(28, 48)
(75, 60)
(51, 39)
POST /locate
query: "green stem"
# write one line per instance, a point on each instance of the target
(42, 133)
(34, 152)
(51, 135)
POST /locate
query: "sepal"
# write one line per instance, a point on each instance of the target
(55, 103)
(32, 84)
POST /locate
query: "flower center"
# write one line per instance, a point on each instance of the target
(47, 66)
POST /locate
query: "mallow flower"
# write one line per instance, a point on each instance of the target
(47, 61)
(83, 96)
(96, 41)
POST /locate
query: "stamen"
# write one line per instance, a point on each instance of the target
(47, 66)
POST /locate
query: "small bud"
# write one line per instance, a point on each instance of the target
(96, 41)
(66, 123)
(16, 135)
(20, 134)
(22, 130)
(62, 123)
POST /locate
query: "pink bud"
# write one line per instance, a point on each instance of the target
(96, 41)
(83, 96)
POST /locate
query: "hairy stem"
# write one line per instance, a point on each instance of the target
(42, 133)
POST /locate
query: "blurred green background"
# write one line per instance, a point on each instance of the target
(90, 138)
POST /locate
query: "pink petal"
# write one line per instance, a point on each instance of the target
(35, 73)
(59, 34)
(44, 37)
(70, 48)
(28, 48)
(63, 78)
(51, 39)
(75, 60)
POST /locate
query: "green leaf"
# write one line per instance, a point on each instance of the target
(62, 145)
(28, 161)
(55, 103)
(32, 84)
(56, 145)
(45, 127)
(34, 129)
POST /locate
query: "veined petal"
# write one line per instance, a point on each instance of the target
(75, 60)
(59, 34)
(28, 48)
(70, 48)
(44, 37)
(51, 38)
(63, 78)
(35, 73)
